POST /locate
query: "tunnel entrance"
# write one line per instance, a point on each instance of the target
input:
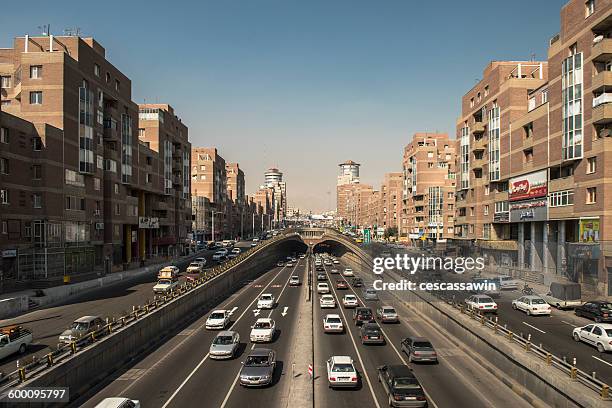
(332, 247)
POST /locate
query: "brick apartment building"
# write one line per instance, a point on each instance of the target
(237, 209)
(77, 184)
(428, 193)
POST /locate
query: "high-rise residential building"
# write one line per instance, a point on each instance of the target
(391, 191)
(428, 188)
(163, 132)
(236, 204)
(349, 175)
(274, 180)
(77, 185)
(209, 180)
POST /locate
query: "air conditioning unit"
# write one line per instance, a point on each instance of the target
(605, 132)
(99, 225)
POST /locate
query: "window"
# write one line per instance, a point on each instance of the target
(430, 154)
(73, 178)
(36, 98)
(117, 85)
(149, 160)
(27, 230)
(96, 70)
(430, 165)
(117, 209)
(486, 189)
(591, 165)
(471, 211)
(4, 197)
(116, 230)
(37, 200)
(471, 228)
(202, 177)
(561, 198)
(202, 168)
(486, 210)
(141, 133)
(528, 155)
(528, 130)
(532, 104)
(486, 90)
(5, 82)
(36, 171)
(36, 144)
(36, 71)
(4, 227)
(96, 184)
(4, 166)
(591, 195)
(544, 96)
(478, 97)
(589, 7)
(149, 178)
(100, 161)
(108, 78)
(100, 117)
(486, 231)
(75, 203)
(116, 188)
(501, 207)
(110, 165)
(471, 102)
(4, 135)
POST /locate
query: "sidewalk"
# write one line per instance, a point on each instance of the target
(15, 303)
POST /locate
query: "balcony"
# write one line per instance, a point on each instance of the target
(462, 219)
(479, 163)
(560, 184)
(602, 50)
(602, 113)
(161, 205)
(479, 144)
(177, 181)
(602, 81)
(502, 245)
(528, 142)
(110, 129)
(477, 128)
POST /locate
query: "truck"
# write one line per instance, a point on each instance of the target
(14, 339)
(168, 272)
(165, 285)
(563, 295)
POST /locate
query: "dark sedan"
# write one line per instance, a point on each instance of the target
(598, 310)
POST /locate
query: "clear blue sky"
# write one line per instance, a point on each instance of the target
(303, 85)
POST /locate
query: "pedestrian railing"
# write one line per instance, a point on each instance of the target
(115, 324)
(567, 367)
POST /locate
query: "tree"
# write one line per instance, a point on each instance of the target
(391, 232)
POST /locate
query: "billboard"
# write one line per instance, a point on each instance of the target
(528, 211)
(148, 222)
(528, 186)
(589, 230)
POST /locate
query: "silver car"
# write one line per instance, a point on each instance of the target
(80, 328)
(258, 369)
(225, 345)
(370, 294)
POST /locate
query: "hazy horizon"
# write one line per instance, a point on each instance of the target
(304, 86)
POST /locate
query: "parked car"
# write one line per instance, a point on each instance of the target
(370, 294)
(419, 349)
(322, 287)
(362, 315)
(266, 301)
(263, 330)
(598, 310)
(371, 333)
(14, 339)
(357, 282)
(482, 303)
(294, 281)
(341, 284)
(258, 368)
(225, 345)
(81, 327)
(532, 305)
(332, 323)
(598, 335)
(387, 314)
(218, 319)
(350, 301)
(401, 386)
(341, 372)
(563, 295)
(327, 301)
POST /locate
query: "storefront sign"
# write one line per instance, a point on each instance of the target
(148, 222)
(589, 230)
(9, 253)
(528, 211)
(501, 217)
(528, 186)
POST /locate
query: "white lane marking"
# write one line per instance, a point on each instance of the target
(348, 330)
(284, 313)
(603, 361)
(568, 323)
(174, 394)
(233, 310)
(533, 327)
(229, 392)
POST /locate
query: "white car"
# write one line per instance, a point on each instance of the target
(506, 282)
(532, 305)
(236, 251)
(482, 303)
(598, 335)
(348, 272)
(164, 286)
(194, 267)
(118, 402)
(218, 319)
(202, 261)
(263, 330)
(327, 301)
(266, 301)
(350, 301)
(332, 323)
(335, 262)
(341, 372)
(322, 287)
(219, 255)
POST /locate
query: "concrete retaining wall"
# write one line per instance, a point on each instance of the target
(13, 306)
(94, 364)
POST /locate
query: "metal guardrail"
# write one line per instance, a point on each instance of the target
(551, 360)
(113, 324)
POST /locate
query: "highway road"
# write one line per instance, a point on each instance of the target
(180, 372)
(112, 300)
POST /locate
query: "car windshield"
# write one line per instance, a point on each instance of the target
(422, 344)
(538, 302)
(262, 325)
(294, 278)
(195, 264)
(256, 361)
(406, 384)
(370, 291)
(343, 368)
(349, 298)
(79, 326)
(327, 298)
(217, 315)
(372, 330)
(606, 305)
(388, 310)
(333, 320)
(364, 312)
(164, 281)
(266, 297)
(608, 332)
(485, 300)
(222, 340)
